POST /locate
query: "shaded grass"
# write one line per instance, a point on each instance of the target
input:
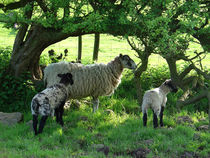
(122, 133)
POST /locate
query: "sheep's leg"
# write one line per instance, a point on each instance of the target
(57, 115)
(95, 104)
(161, 116)
(35, 122)
(42, 123)
(155, 120)
(145, 119)
(61, 110)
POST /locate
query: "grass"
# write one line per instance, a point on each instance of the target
(117, 125)
(121, 133)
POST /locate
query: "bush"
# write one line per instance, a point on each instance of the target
(16, 93)
(5, 55)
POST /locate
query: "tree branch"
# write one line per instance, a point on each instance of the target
(194, 99)
(133, 46)
(206, 75)
(15, 5)
(42, 5)
(185, 72)
(22, 31)
(1, 5)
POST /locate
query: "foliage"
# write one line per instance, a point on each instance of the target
(5, 54)
(16, 93)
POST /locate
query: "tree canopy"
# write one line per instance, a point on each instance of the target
(161, 27)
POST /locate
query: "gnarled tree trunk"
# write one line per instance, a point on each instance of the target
(28, 47)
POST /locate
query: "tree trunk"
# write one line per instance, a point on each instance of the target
(79, 58)
(96, 47)
(137, 77)
(173, 70)
(26, 53)
(208, 96)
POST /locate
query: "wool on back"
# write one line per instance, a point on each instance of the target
(52, 96)
(96, 80)
(51, 71)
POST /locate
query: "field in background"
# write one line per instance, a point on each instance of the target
(110, 47)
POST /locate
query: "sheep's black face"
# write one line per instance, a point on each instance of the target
(127, 62)
(66, 78)
(171, 85)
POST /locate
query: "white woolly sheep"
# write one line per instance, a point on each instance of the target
(156, 99)
(92, 80)
(50, 99)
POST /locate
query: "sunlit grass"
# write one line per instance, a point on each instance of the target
(82, 130)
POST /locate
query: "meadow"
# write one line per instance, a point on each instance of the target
(116, 129)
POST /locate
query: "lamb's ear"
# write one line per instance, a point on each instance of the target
(167, 81)
(60, 75)
(69, 76)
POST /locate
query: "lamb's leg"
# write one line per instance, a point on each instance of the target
(145, 118)
(42, 123)
(161, 116)
(57, 115)
(155, 120)
(35, 122)
(61, 110)
(95, 104)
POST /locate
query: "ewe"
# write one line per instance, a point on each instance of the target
(92, 80)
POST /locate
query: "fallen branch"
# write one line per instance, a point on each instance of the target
(204, 94)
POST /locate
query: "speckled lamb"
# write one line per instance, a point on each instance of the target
(49, 100)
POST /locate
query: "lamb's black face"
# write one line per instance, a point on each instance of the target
(66, 78)
(127, 62)
(171, 85)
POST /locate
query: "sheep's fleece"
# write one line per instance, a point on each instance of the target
(157, 98)
(91, 80)
(46, 101)
(52, 70)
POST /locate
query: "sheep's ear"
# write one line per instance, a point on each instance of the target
(121, 55)
(60, 75)
(69, 76)
(167, 81)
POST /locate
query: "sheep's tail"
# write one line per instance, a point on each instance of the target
(45, 82)
(45, 77)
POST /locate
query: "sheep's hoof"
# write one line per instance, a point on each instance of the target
(155, 126)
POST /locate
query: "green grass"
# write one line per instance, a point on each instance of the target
(121, 133)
